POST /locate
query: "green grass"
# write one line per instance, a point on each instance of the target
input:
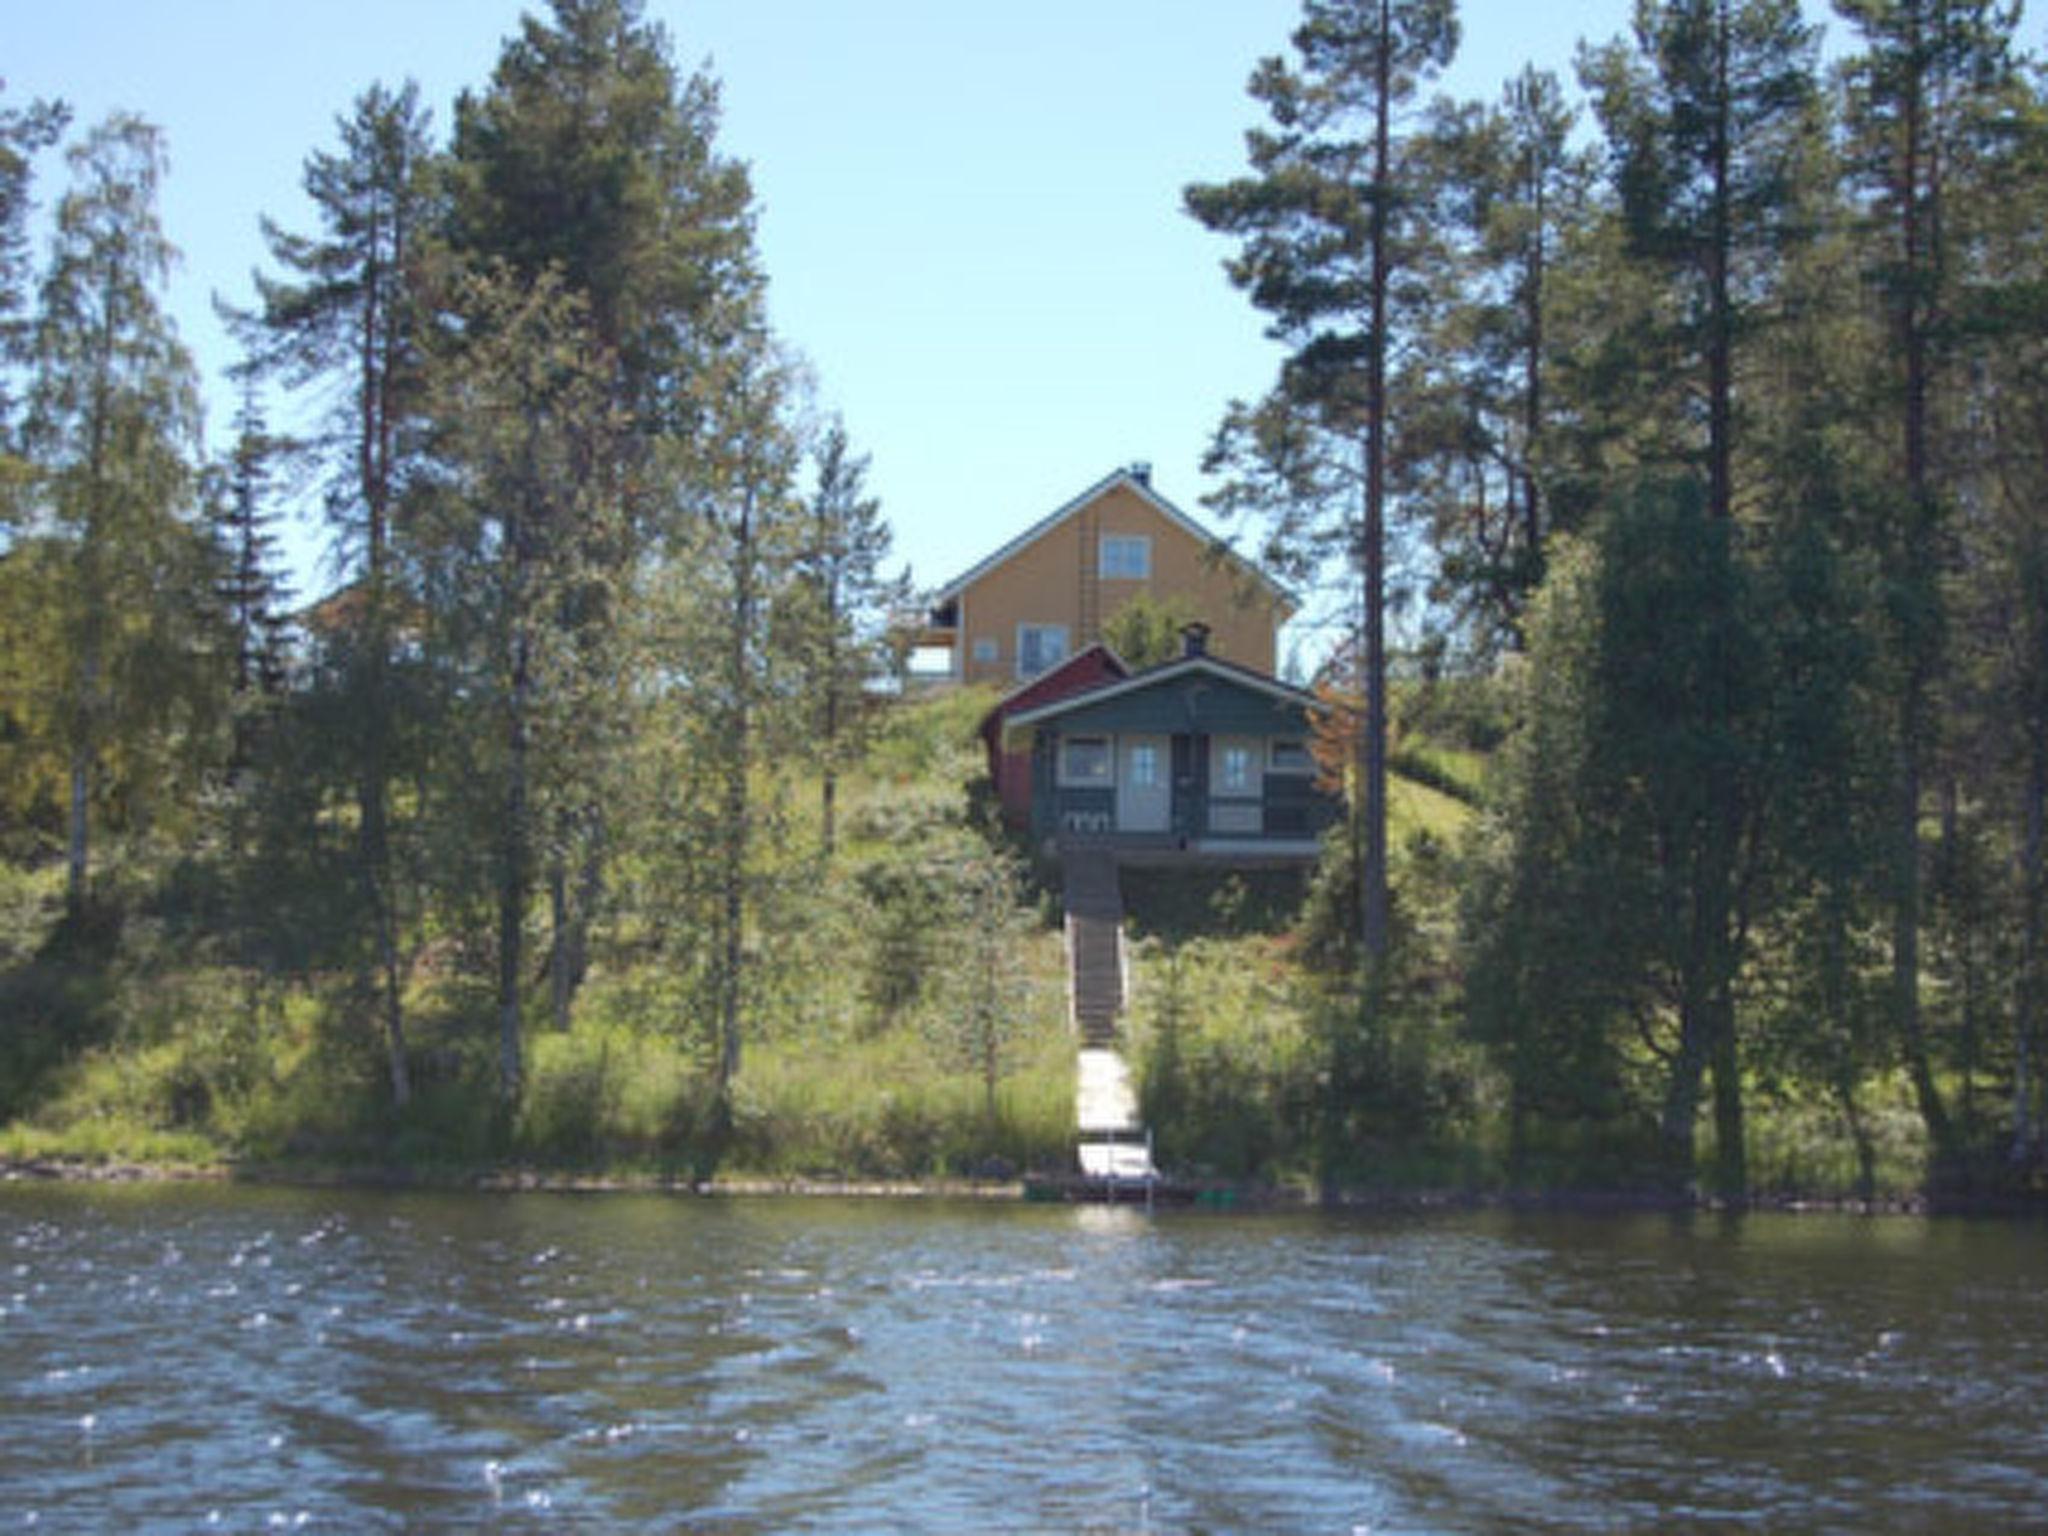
(1453, 772)
(124, 1041)
(1417, 808)
(159, 1056)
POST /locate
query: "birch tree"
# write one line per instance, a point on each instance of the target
(113, 429)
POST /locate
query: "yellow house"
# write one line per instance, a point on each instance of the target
(1047, 593)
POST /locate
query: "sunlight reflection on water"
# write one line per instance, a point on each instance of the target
(271, 1358)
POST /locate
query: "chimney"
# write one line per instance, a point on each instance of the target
(1141, 471)
(1194, 639)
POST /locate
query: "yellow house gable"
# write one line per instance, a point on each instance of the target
(1047, 593)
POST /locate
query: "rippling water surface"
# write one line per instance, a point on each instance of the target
(183, 1358)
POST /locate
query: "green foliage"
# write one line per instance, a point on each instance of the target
(1715, 823)
(123, 695)
(1224, 1059)
(1146, 631)
(1177, 905)
(1336, 247)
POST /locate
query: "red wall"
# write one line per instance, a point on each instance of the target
(1011, 770)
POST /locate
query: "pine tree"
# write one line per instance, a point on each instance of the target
(1923, 99)
(347, 318)
(842, 603)
(589, 157)
(1709, 117)
(1515, 189)
(251, 592)
(513, 548)
(1328, 220)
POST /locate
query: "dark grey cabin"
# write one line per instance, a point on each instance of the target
(1196, 756)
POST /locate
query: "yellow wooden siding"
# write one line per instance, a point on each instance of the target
(1044, 583)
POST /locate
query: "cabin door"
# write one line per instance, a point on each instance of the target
(1144, 788)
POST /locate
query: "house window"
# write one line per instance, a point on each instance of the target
(1086, 760)
(1144, 765)
(1234, 762)
(1040, 646)
(1288, 755)
(1125, 557)
(986, 650)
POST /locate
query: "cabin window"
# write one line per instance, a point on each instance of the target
(1288, 755)
(1125, 557)
(1086, 760)
(1144, 765)
(1040, 646)
(986, 650)
(1236, 767)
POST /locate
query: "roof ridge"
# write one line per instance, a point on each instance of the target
(1142, 485)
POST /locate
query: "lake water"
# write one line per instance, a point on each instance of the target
(255, 1359)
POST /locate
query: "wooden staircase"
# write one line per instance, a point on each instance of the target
(1095, 960)
(1115, 1149)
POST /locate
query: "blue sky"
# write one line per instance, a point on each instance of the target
(969, 212)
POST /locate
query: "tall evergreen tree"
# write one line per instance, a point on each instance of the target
(513, 548)
(840, 606)
(590, 157)
(1709, 118)
(1922, 102)
(250, 590)
(1515, 188)
(1328, 220)
(1990, 456)
(347, 317)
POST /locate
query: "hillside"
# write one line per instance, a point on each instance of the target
(129, 1045)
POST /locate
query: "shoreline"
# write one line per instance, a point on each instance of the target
(1213, 1196)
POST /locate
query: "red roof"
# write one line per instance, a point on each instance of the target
(1085, 670)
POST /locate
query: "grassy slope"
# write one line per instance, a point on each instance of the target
(196, 1064)
(186, 1063)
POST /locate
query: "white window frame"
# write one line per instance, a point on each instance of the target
(1307, 764)
(1220, 748)
(1024, 649)
(1106, 779)
(1123, 567)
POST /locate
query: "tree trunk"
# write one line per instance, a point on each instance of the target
(736, 807)
(1682, 1091)
(1906, 940)
(512, 875)
(373, 797)
(1374, 902)
(1532, 400)
(1713, 943)
(389, 983)
(828, 792)
(76, 889)
(2026, 1129)
(1916, 217)
(1731, 1152)
(394, 1003)
(560, 985)
(1859, 1134)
